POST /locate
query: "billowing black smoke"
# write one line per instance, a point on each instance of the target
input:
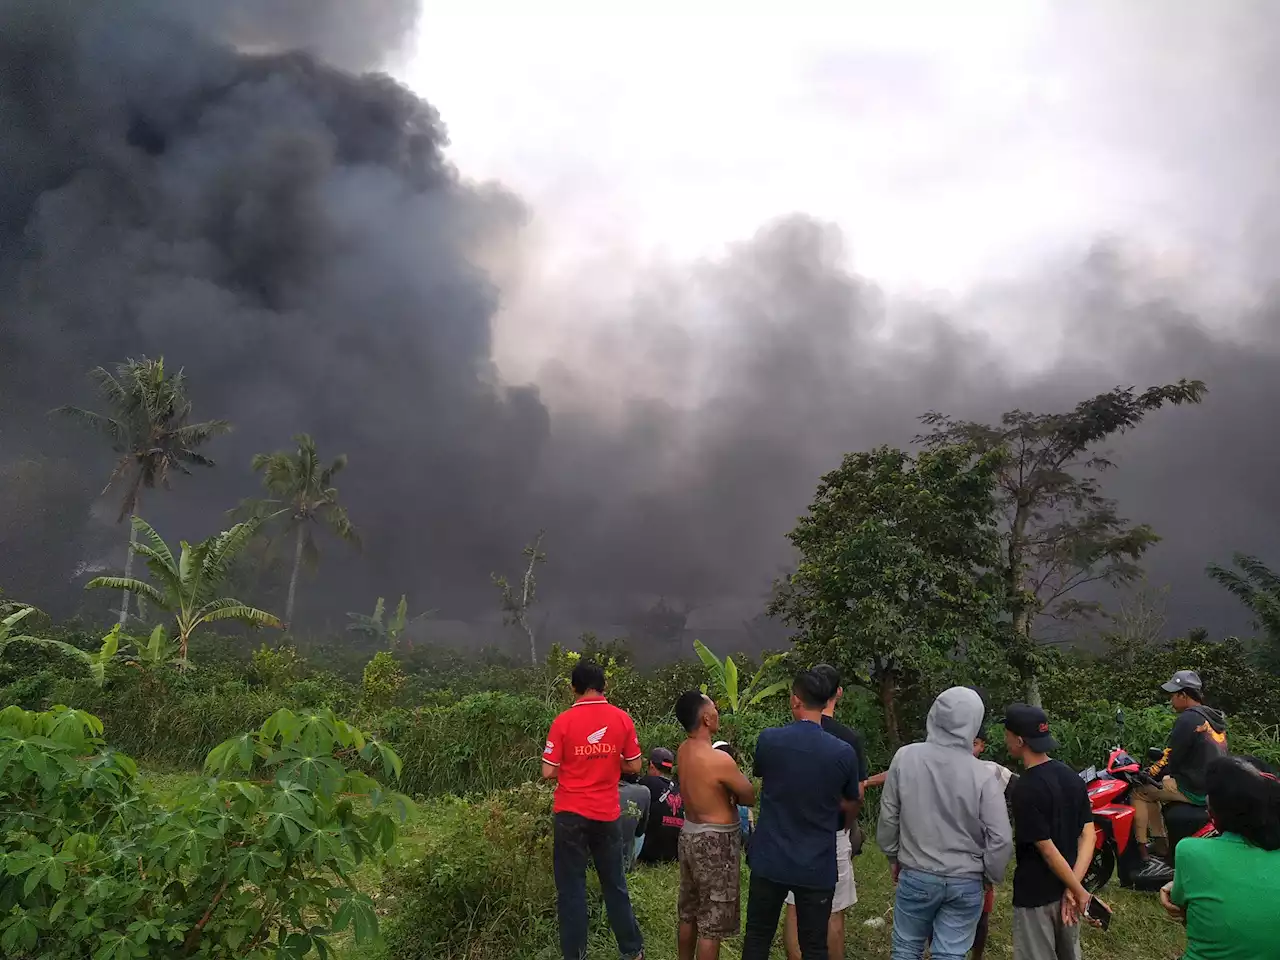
(289, 233)
(175, 180)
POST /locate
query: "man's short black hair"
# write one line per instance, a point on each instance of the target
(587, 675)
(811, 689)
(689, 709)
(830, 676)
(1191, 693)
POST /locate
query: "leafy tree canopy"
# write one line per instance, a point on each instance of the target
(1060, 533)
(898, 560)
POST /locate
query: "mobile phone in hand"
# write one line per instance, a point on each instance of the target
(1099, 911)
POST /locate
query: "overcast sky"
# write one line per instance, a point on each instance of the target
(955, 144)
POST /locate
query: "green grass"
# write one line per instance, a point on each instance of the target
(1139, 930)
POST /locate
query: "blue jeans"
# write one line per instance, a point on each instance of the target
(946, 908)
(576, 839)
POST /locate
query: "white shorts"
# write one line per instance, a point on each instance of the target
(846, 894)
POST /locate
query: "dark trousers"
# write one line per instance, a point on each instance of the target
(575, 840)
(764, 905)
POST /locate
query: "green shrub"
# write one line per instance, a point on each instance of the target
(276, 669)
(484, 742)
(170, 719)
(94, 865)
(483, 886)
(382, 682)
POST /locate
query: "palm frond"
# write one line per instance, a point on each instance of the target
(224, 548)
(338, 465)
(159, 549)
(13, 619)
(245, 614)
(50, 644)
(194, 434)
(111, 389)
(112, 429)
(190, 456)
(139, 587)
(336, 519)
(1259, 573)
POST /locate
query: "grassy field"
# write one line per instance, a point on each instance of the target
(1140, 930)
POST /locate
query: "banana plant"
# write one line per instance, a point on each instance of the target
(157, 652)
(187, 586)
(95, 662)
(725, 679)
(381, 632)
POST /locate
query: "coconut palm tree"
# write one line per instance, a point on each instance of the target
(149, 431)
(302, 490)
(188, 586)
(1258, 588)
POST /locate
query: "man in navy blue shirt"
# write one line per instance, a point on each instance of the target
(810, 784)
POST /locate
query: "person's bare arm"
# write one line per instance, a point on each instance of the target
(876, 781)
(1063, 871)
(632, 765)
(736, 782)
(1084, 850)
(549, 771)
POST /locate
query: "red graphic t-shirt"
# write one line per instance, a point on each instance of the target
(589, 742)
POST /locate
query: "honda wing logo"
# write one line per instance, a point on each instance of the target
(595, 747)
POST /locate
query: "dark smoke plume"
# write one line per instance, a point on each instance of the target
(209, 182)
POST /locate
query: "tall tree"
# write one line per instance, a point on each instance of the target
(517, 603)
(302, 489)
(897, 569)
(188, 586)
(1257, 586)
(148, 428)
(1060, 532)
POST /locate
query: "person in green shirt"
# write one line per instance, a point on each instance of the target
(1219, 882)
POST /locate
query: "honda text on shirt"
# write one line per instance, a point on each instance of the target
(589, 742)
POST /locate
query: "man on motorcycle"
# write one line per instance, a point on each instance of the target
(1199, 736)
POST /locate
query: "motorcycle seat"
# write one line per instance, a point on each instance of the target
(1182, 820)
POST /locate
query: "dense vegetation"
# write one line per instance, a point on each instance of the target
(915, 571)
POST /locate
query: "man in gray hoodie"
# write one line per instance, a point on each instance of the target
(945, 829)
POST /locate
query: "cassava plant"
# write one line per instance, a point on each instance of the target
(95, 866)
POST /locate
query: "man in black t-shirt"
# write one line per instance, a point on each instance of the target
(666, 810)
(1053, 836)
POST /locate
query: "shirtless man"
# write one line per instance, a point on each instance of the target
(711, 786)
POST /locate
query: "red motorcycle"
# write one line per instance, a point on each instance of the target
(1117, 849)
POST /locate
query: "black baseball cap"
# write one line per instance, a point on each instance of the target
(1032, 725)
(662, 758)
(1183, 680)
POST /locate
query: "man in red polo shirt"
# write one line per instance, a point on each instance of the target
(588, 749)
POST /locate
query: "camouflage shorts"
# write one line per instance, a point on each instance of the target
(710, 867)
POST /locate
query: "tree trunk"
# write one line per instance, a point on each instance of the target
(1033, 690)
(1024, 655)
(533, 648)
(887, 687)
(293, 579)
(128, 571)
